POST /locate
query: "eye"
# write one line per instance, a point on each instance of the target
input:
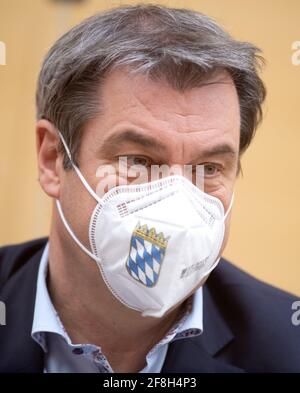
(211, 170)
(138, 160)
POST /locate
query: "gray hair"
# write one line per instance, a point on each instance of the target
(180, 45)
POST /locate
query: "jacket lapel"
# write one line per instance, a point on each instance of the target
(19, 352)
(199, 354)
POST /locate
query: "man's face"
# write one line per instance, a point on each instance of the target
(151, 123)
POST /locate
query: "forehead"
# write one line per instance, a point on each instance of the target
(216, 97)
(208, 111)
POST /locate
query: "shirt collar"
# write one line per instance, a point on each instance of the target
(193, 323)
(46, 319)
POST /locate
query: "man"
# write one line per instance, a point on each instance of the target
(156, 86)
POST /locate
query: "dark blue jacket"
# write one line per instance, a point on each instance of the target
(247, 324)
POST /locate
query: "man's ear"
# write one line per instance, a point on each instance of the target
(49, 161)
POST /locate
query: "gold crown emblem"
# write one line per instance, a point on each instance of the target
(150, 234)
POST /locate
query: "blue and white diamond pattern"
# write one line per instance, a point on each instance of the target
(144, 261)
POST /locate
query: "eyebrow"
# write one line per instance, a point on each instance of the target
(114, 141)
(222, 149)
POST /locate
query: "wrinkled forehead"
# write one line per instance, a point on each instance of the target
(152, 113)
(139, 95)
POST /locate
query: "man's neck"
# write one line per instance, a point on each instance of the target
(91, 314)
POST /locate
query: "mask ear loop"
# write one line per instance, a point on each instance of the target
(230, 206)
(59, 208)
(215, 264)
(81, 177)
(83, 248)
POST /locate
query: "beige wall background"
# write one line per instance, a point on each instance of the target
(265, 235)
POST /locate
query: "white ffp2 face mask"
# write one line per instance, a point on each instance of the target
(154, 243)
